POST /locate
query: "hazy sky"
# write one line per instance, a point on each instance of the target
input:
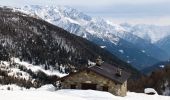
(132, 11)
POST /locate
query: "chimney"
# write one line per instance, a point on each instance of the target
(99, 61)
(119, 72)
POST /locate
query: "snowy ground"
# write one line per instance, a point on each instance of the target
(38, 68)
(48, 93)
(15, 71)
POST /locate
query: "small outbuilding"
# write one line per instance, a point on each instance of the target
(102, 77)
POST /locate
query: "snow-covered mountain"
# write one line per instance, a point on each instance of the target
(164, 43)
(151, 33)
(73, 21)
(41, 43)
(32, 49)
(133, 44)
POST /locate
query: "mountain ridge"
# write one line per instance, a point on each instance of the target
(92, 29)
(41, 43)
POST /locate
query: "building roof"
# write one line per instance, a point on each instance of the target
(106, 70)
(110, 71)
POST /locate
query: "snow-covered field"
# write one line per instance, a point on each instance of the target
(48, 93)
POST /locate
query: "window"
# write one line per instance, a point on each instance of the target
(105, 88)
(73, 86)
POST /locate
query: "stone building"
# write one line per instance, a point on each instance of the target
(102, 77)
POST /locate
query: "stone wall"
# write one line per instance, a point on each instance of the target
(93, 78)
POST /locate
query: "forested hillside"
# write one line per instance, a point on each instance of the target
(40, 43)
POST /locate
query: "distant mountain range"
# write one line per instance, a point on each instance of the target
(139, 45)
(41, 43)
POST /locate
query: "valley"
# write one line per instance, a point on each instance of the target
(139, 43)
(41, 44)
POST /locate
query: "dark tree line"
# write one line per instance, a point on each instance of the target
(156, 80)
(6, 79)
(40, 78)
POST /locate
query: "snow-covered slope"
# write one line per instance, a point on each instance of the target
(105, 33)
(41, 43)
(47, 93)
(60, 15)
(35, 68)
(21, 73)
(73, 21)
(151, 33)
(4, 65)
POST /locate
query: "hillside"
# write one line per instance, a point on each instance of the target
(120, 40)
(158, 79)
(155, 67)
(164, 43)
(35, 40)
(40, 43)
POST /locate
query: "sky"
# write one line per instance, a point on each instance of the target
(119, 11)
